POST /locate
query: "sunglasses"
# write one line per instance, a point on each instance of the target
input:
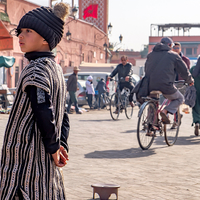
(176, 47)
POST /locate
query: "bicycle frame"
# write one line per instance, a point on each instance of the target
(158, 110)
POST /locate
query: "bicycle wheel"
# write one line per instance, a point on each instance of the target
(107, 102)
(171, 130)
(128, 109)
(145, 123)
(114, 106)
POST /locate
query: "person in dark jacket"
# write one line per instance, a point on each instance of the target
(72, 88)
(167, 63)
(124, 71)
(101, 88)
(195, 71)
(177, 49)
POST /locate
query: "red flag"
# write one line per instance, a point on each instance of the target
(91, 11)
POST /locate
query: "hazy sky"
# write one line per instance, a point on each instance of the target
(132, 18)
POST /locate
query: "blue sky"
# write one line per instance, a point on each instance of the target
(132, 18)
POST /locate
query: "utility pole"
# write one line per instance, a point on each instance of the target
(72, 3)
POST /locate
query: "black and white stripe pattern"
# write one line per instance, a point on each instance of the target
(25, 165)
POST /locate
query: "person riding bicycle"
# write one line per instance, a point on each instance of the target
(167, 63)
(124, 71)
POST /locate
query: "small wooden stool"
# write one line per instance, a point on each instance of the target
(105, 190)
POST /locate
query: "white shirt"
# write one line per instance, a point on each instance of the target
(89, 87)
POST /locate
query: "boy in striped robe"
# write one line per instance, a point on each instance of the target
(35, 141)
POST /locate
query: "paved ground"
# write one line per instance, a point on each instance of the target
(107, 151)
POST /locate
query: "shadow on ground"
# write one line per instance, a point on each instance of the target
(190, 140)
(96, 120)
(126, 153)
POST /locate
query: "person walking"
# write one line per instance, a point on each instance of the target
(72, 88)
(177, 49)
(101, 88)
(90, 90)
(195, 71)
(35, 141)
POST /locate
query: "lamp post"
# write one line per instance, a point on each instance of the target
(68, 35)
(109, 28)
(113, 45)
(105, 48)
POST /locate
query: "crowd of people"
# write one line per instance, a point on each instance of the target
(168, 65)
(35, 142)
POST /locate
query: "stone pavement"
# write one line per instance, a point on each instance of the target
(107, 151)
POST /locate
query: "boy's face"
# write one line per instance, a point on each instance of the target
(29, 41)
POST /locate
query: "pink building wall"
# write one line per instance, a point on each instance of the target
(192, 42)
(86, 44)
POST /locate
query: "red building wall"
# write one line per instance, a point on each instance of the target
(86, 44)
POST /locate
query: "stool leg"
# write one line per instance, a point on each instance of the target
(116, 192)
(93, 194)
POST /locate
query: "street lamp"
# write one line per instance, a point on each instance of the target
(120, 38)
(113, 45)
(74, 12)
(68, 35)
(109, 28)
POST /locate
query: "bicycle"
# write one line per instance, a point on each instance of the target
(105, 101)
(149, 122)
(119, 101)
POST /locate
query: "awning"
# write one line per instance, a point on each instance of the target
(7, 61)
(6, 40)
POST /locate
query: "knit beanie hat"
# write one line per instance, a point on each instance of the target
(47, 22)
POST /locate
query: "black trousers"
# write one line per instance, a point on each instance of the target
(128, 85)
(90, 100)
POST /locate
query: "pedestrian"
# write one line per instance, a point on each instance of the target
(72, 88)
(90, 91)
(101, 88)
(177, 49)
(195, 71)
(35, 140)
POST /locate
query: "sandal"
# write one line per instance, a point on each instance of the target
(165, 119)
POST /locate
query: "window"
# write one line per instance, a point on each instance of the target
(16, 75)
(195, 51)
(101, 56)
(3, 1)
(188, 51)
(83, 57)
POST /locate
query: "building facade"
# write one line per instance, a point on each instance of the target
(190, 44)
(95, 12)
(83, 44)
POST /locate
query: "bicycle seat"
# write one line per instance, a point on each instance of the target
(155, 94)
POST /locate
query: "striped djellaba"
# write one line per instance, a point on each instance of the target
(25, 165)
